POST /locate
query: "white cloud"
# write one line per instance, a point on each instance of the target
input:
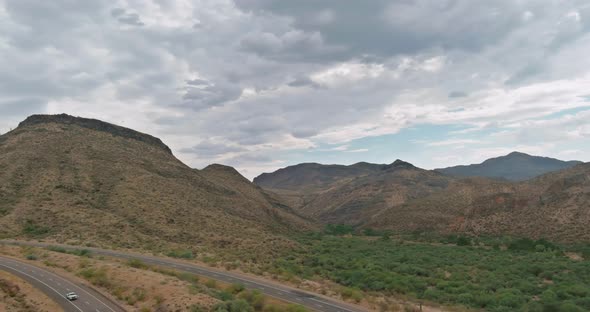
(347, 73)
(263, 79)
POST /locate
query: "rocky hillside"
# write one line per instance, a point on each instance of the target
(86, 181)
(514, 166)
(555, 206)
(312, 177)
(404, 198)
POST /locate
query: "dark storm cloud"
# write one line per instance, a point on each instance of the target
(384, 28)
(257, 76)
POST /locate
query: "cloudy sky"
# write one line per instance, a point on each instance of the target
(261, 84)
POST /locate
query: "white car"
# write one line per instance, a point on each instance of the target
(71, 296)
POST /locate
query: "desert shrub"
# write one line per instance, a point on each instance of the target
(182, 254)
(211, 284)
(350, 293)
(254, 298)
(475, 276)
(80, 252)
(233, 306)
(57, 249)
(136, 263)
(97, 277)
(236, 288)
(463, 241)
(338, 229)
(30, 228)
(196, 308)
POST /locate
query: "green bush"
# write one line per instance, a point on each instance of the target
(97, 277)
(478, 277)
(463, 241)
(32, 229)
(254, 298)
(182, 254)
(338, 229)
(57, 249)
(233, 306)
(136, 263)
(236, 288)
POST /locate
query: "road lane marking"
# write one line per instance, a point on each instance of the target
(40, 281)
(84, 290)
(76, 287)
(190, 268)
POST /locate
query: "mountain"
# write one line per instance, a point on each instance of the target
(514, 166)
(554, 205)
(358, 199)
(313, 176)
(407, 199)
(80, 180)
(350, 194)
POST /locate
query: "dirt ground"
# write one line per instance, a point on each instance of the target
(17, 295)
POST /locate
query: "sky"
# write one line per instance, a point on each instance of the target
(263, 84)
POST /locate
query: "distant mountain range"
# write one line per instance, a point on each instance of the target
(514, 167)
(404, 198)
(84, 181)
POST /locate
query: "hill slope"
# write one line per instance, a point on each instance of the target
(86, 181)
(312, 177)
(555, 206)
(514, 166)
(404, 198)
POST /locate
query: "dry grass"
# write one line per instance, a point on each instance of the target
(80, 186)
(18, 295)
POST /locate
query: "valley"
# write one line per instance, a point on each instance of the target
(378, 237)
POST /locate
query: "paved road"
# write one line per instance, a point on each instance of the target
(285, 293)
(55, 287)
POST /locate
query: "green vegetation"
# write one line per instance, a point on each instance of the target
(492, 274)
(234, 298)
(136, 263)
(97, 277)
(32, 229)
(338, 229)
(182, 254)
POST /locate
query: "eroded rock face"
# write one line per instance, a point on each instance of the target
(95, 124)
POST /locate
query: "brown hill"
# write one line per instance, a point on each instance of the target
(87, 181)
(312, 177)
(403, 198)
(555, 206)
(356, 200)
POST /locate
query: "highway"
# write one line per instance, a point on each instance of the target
(55, 287)
(285, 293)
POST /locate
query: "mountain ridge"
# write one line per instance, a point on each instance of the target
(406, 199)
(67, 182)
(94, 124)
(516, 166)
